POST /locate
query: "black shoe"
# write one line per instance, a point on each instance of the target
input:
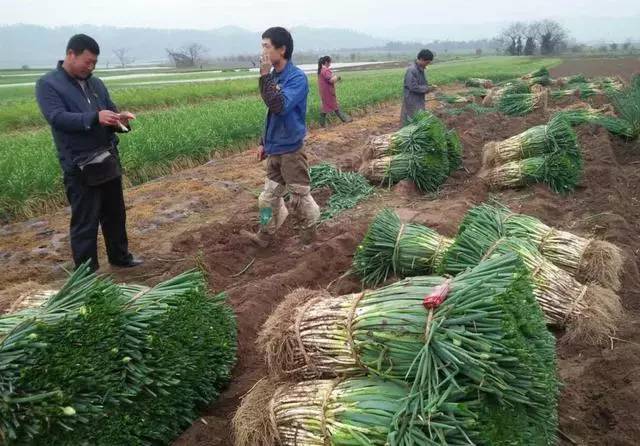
(131, 263)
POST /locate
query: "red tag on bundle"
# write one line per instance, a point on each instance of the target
(437, 296)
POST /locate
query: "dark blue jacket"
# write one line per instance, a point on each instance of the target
(73, 116)
(286, 126)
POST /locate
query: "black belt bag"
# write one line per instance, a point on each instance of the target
(101, 168)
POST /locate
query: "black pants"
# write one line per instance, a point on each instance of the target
(92, 206)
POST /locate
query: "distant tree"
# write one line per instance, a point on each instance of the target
(577, 48)
(24, 67)
(353, 57)
(478, 51)
(510, 37)
(188, 56)
(614, 47)
(122, 56)
(626, 46)
(553, 37)
(603, 48)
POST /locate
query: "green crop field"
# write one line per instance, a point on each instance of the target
(183, 124)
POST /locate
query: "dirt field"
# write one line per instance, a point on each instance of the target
(624, 67)
(195, 217)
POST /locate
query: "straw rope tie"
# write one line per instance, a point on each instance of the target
(396, 248)
(272, 418)
(492, 248)
(545, 239)
(350, 340)
(307, 359)
(575, 303)
(323, 416)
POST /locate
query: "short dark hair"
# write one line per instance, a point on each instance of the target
(280, 37)
(425, 55)
(81, 42)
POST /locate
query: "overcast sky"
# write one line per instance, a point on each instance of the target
(361, 15)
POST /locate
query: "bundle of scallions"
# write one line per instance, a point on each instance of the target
(484, 344)
(477, 82)
(423, 151)
(588, 260)
(392, 248)
(100, 363)
(590, 312)
(520, 104)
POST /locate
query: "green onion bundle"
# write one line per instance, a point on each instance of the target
(377, 147)
(590, 312)
(627, 105)
(487, 338)
(347, 188)
(544, 80)
(543, 71)
(588, 260)
(520, 104)
(427, 169)
(418, 152)
(454, 150)
(560, 171)
(510, 88)
(391, 248)
(556, 136)
(99, 363)
(477, 82)
(453, 99)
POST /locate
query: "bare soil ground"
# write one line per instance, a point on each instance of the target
(194, 218)
(625, 67)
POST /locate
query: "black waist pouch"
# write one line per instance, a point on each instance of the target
(101, 168)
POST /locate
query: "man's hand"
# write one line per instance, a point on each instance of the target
(107, 118)
(126, 116)
(261, 154)
(265, 64)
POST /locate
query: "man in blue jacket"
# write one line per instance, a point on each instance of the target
(284, 88)
(84, 122)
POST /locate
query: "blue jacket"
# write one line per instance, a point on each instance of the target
(73, 116)
(285, 94)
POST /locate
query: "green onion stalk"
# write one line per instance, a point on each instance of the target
(487, 338)
(588, 260)
(589, 312)
(101, 363)
(391, 248)
(347, 188)
(556, 136)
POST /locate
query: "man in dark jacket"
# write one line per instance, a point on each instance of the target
(415, 86)
(84, 122)
(284, 88)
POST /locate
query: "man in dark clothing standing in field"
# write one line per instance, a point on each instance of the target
(284, 88)
(415, 86)
(83, 122)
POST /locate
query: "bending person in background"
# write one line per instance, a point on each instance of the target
(416, 86)
(284, 88)
(84, 122)
(327, 88)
